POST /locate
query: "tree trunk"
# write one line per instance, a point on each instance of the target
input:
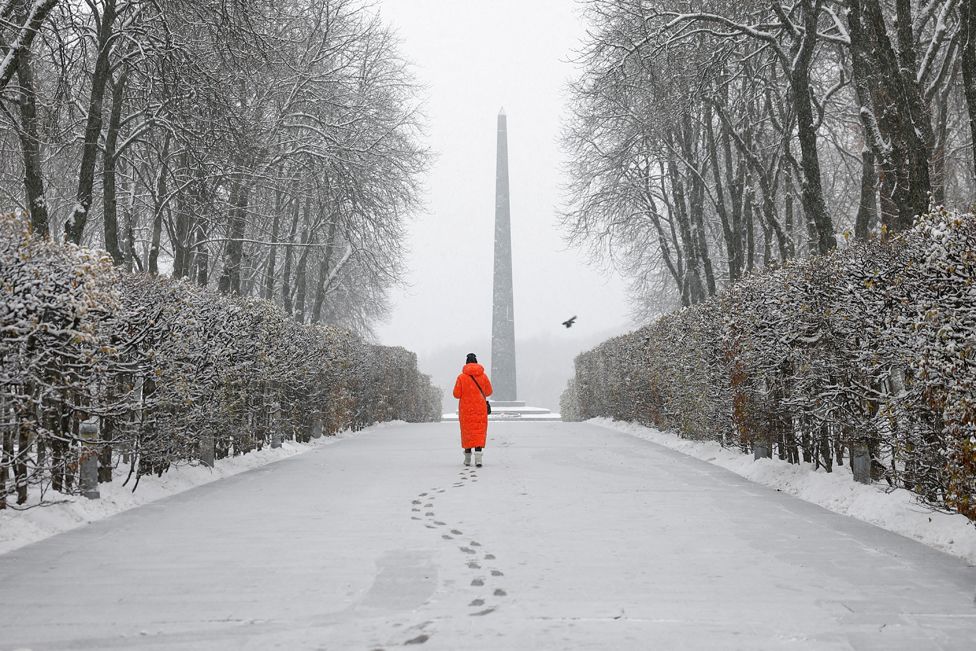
(183, 235)
(814, 206)
(6, 455)
(182, 238)
(693, 275)
(681, 275)
(269, 273)
(230, 279)
(324, 269)
(767, 185)
(301, 277)
(129, 256)
(31, 147)
(701, 245)
(731, 241)
(160, 205)
(749, 228)
(736, 181)
(968, 38)
(75, 228)
(286, 286)
(109, 194)
(938, 172)
(696, 202)
(201, 255)
(867, 211)
(106, 434)
(899, 127)
(918, 133)
(20, 461)
(789, 192)
(867, 215)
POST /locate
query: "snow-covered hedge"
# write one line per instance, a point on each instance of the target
(868, 351)
(170, 372)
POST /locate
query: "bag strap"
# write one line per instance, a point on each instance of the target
(479, 387)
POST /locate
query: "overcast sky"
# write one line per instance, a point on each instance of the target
(474, 58)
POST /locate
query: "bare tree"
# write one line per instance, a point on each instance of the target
(738, 135)
(20, 21)
(266, 148)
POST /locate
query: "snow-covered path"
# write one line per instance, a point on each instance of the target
(571, 537)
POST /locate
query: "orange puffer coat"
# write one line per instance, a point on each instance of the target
(472, 411)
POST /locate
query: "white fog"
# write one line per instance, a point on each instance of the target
(473, 61)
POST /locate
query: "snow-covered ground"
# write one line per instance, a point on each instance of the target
(895, 510)
(572, 536)
(20, 526)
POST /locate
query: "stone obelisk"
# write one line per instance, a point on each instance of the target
(503, 307)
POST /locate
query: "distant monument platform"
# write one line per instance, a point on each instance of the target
(512, 410)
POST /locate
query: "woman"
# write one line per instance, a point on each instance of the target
(472, 390)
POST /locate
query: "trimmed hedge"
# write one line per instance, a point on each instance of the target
(870, 350)
(171, 372)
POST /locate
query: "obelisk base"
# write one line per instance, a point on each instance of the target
(512, 410)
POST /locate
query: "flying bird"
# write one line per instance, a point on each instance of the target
(569, 322)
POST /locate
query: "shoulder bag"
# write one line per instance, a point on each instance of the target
(487, 404)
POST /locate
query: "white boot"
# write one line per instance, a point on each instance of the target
(467, 458)
(477, 459)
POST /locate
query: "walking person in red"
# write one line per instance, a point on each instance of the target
(472, 390)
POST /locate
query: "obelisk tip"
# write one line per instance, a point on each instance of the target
(501, 112)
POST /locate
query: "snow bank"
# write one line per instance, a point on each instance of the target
(64, 512)
(896, 510)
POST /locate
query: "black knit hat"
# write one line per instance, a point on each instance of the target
(471, 359)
